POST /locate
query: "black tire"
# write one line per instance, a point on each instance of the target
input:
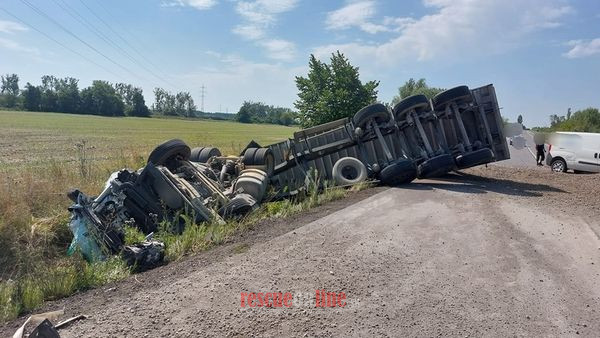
(348, 170)
(195, 154)
(264, 157)
(400, 172)
(375, 111)
(239, 205)
(169, 150)
(474, 158)
(460, 94)
(436, 166)
(558, 165)
(207, 153)
(248, 158)
(417, 102)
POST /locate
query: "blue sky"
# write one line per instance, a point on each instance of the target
(543, 56)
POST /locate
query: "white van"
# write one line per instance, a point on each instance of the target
(574, 151)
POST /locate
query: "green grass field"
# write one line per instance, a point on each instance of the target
(39, 162)
(36, 138)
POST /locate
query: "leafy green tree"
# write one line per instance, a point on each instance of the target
(49, 96)
(332, 91)
(244, 114)
(32, 97)
(9, 90)
(258, 112)
(184, 104)
(412, 87)
(67, 95)
(102, 99)
(164, 102)
(133, 99)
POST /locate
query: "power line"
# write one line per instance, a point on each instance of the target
(75, 15)
(123, 39)
(117, 46)
(58, 42)
(66, 30)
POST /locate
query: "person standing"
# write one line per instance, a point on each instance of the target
(540, 157)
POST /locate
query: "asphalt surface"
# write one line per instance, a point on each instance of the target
(436, 258)
(522, 152)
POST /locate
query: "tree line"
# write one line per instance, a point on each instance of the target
(585, 120)
(63, 95)
(100, 98)
(258, 112)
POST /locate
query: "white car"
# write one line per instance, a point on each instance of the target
(579, 152)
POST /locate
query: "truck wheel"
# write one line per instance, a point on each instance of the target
(375, 111)
(264, 157)
(436, 166)
(558, 165)
(207, 153)
(248, 158)
(460, 94)
(203, 154)
(474, 158)
(400, 172)
(348, 170)
(416, 102)
(239, 205)
(195, 154)
(168, 150)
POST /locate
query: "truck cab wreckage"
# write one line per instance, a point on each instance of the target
(418, 138)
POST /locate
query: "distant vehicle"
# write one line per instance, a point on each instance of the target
(579, 152)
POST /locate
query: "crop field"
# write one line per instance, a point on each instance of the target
(42, 155)
(37, 138)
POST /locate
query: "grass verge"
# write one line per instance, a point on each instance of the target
(73, 274)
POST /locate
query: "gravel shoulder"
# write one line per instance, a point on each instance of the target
(490, 251)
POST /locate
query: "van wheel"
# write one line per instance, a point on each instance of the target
(558, 166)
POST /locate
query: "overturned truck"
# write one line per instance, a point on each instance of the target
(418, 138)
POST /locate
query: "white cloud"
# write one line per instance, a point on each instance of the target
(280, 49)
(583, 48)
(15, 46)
(11, 27)
(249, 31)
(360, 14)
(455, 28)
(235, 80)
(257, 17)
(197, 4)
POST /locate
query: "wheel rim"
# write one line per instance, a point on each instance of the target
(557, 166)
(349, 172)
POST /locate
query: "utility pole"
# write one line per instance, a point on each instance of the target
(202, 99)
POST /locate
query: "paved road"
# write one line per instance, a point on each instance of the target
(435, 258)
(522, 152)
